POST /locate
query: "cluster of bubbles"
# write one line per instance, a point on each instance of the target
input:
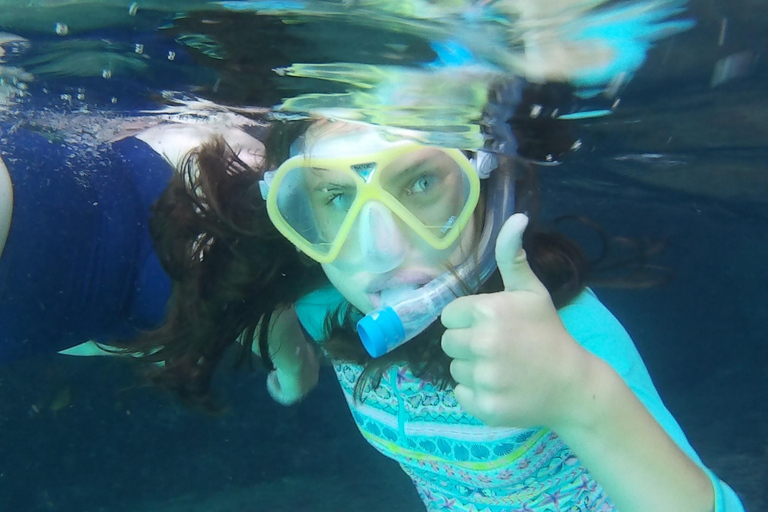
(63, 43)
(14, 80)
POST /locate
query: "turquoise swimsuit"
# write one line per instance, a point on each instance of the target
(460, 465)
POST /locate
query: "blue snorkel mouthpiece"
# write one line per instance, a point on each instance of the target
(388, 327)
(381, 329)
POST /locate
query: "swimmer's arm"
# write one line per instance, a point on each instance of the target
(6, 204)
(628, 452)
(296, 364)
(516, 364)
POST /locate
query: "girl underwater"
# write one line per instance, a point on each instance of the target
(527, 396)
(515, 405)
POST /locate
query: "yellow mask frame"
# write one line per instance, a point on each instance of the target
(369, 188)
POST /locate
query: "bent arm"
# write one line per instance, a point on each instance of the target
(629, 441)
(6, 204)
(629, 453)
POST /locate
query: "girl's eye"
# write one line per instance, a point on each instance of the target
(338, 200)
(422, 184)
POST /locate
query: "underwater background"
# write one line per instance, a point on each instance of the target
(680, 161)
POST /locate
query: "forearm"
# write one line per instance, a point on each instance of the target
(296, 366)
(629, 453)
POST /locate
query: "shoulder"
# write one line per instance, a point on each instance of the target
(174, 141)
(597, 329)
(6, 203)
(586, 315)
(591, 323)
(313, 308)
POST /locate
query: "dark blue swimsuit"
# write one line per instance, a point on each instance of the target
(78, 263)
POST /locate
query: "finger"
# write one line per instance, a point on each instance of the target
(273, 385)
(511, 258)
(465, 395)
(459, 313)
(457, 344)
(276, 391)
(463, 372)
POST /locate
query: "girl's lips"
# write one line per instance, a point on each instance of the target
(383, 298)
(401, 282)
(375, 299)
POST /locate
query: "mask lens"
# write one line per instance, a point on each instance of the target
(431, 186)
(315, 202)
(432, 191)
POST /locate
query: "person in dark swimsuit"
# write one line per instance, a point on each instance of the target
(78, 263)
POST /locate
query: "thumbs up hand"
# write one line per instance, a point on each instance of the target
(514, 363)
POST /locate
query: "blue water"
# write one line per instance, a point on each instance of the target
(679, 162)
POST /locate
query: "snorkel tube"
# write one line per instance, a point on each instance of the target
(388, 327)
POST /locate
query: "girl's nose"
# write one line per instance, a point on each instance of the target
(382, 245)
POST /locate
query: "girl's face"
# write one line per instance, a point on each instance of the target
(382, 257)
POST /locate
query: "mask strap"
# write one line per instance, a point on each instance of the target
(484, 163)
(266, 180)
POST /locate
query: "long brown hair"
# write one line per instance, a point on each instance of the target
(230, 270)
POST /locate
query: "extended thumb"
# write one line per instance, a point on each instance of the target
(511, 258)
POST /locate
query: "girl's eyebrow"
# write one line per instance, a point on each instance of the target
(319, 174)
(413, 166)
(322, 187)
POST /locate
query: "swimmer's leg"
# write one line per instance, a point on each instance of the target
(6, 204)
(90, 348)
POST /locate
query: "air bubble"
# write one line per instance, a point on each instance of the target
(106, 73)
(138, 48)
(62, 29)
(171, 55)
(113, 100)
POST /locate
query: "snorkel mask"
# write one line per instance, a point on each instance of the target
(321, 201)
(356, 185)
